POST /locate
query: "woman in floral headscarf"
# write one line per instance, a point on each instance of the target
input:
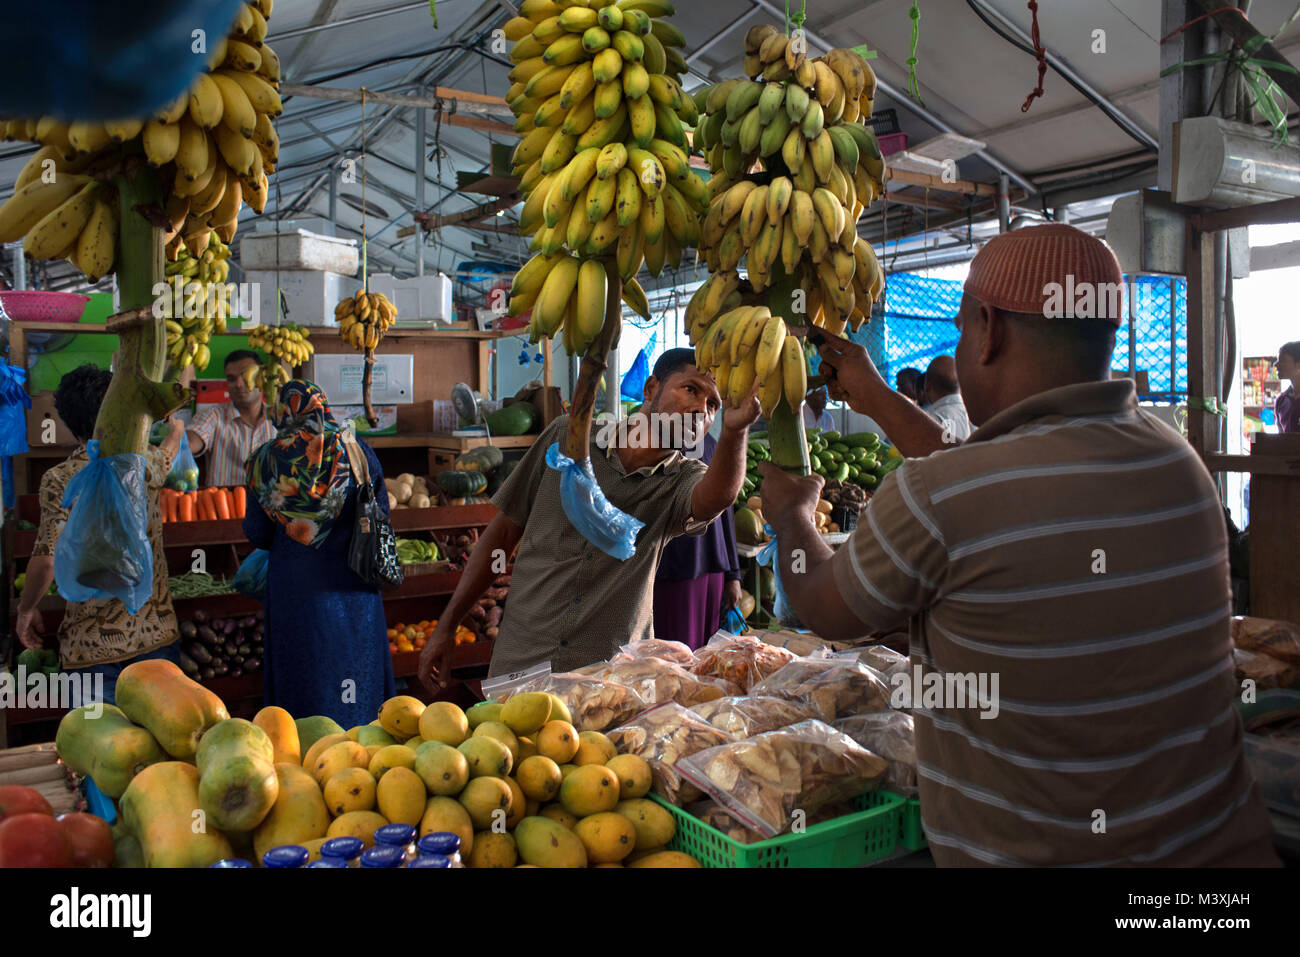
(326, 645)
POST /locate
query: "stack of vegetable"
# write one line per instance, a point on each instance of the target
(221, 647)
(408, 491)
(209, 504)
(198, 585)
(413, 551)
(859, 458)
(485, 617)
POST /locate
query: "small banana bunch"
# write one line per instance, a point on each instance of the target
(604, 157)
(216, 141)
(748, 344)
(62, 215)
(364, 318)
(288, 342)
(203, 306)
(821, 167)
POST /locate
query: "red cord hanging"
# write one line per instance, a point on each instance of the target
(1041, 52)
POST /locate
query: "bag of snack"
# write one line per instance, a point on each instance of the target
(672, 651)
(749, 715)
(1277, 639)
(764, 780)
(594, 703)
(884, 661)
(656, 681)
(740, 659)
(833, 687)
(663, 735)
(890, 735)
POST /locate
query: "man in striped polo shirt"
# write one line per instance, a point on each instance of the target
(1064, 577)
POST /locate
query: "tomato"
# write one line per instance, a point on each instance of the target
(90, 838)
(33, 840)
(17, 799)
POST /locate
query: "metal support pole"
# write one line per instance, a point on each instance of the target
(419, 191)
(334, 194)
(1004, 202)
(20, 266)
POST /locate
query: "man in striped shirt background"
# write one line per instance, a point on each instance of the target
(1073, 549)
(231, 432)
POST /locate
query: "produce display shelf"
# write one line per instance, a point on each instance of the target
(476, 655)
(443, 439)
(440, 517)
(853, 840)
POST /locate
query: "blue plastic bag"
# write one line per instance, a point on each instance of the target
(610, 529)
(14, 402)
(250, 579)
(103, 550)
(733, 622)
(184, 474)
(769, 554)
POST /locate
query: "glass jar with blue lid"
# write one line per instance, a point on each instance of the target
(383, 856)
(345, 849)
(286, 856)
(442, 844)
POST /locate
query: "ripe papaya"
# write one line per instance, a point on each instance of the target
(155, 694)
(237, 780)
(161, 809)
(109, 750)
(299, 813)
(283, 732)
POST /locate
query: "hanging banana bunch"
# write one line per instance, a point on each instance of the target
(200, 308)
(215, 144)
(603, 160)
(802, 119)
(364, 318)
(288, 344)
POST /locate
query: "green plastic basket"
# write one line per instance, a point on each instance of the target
(867, 835)
(913, 834)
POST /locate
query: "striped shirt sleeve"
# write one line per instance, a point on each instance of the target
(890, 567)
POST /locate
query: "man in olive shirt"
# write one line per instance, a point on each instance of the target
(570, 602)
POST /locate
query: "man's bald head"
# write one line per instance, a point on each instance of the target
(940, 378)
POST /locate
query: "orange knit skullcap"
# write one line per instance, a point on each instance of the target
(1053, 270)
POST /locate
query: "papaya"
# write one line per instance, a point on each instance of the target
(161, 809)
(237, 780)
(126, 849)
(280, 728)
(312, 729)
(155, 694)
(299, 813)
(109, 749)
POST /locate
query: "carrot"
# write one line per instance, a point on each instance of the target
(241, 501)
(221, 502)
(171, 505)
(164, 504)
(205, 503)
(186, 506)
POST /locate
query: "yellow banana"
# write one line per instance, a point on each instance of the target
(767, 353)
(794, 372)
(237, 111)
(33, 202)
(589, 302)
(752, 215)
(627, 200)
(206, 104)
(553, 299)
(59, 229)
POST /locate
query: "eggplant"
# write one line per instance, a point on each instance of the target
(188, 630)
(229, 626)
(230, 649)
(245, 649)
(257, 630)
(200, 654)
(189, 666)
(247, 622)
(207, 635)
(220, 668)
(237, 660)
(253, 664)
(200, 617)
(236, 672)
(207, 674)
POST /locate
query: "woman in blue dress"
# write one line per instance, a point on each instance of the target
(326, 646)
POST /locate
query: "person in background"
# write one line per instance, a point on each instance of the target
(698, 579)
(99, 637)
(571, 602)
(1287, 407)
(815, 415)
(229, 433)
(944, 397)
(906, 383)
(1073, 550)
(326, 640)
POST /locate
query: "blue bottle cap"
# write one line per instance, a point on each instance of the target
(232, 862)
(395, 835)
(328, 862)
(344, 848)
(383, 856)
(430, 860)
(440, 842)
(287, 855)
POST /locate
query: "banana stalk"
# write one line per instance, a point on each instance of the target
(138, 393)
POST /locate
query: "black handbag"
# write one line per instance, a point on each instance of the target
(372, 553)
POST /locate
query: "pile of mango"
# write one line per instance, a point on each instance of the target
(516, 782)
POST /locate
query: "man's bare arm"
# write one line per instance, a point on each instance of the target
(721, 483)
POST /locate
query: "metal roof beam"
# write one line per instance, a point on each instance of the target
(344, 21)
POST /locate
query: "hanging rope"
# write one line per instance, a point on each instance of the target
(365, 274)
(913, 86)
(1041, 52)
(795, 20)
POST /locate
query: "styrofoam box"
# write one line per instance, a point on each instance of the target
(421, 299)
(299, 249)
(310, 295)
